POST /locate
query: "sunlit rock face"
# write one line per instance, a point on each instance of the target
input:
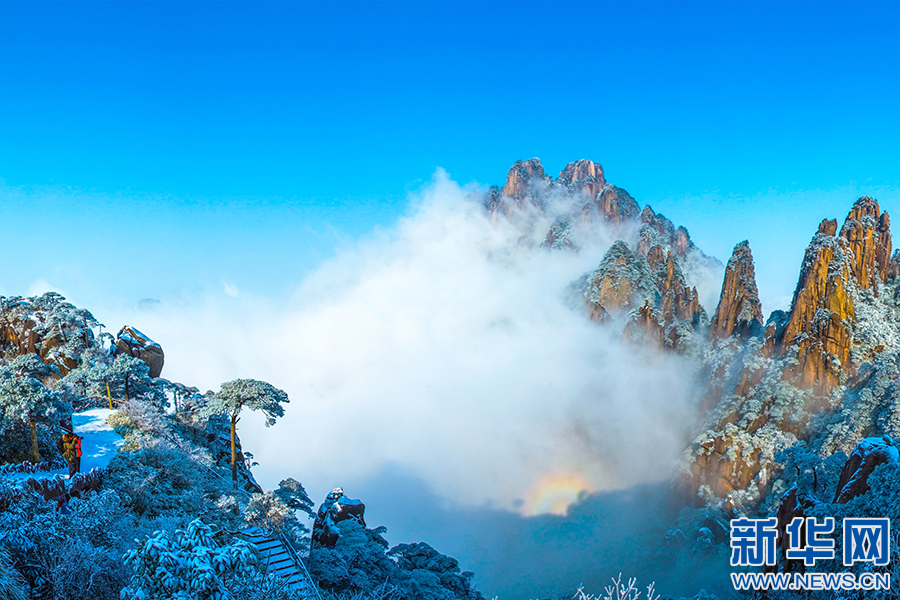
(46, 325)
(835, 269)
(621, 282)
(526, 185)
(822, 374)
(582, 183)
(652, 292)
(739, 311)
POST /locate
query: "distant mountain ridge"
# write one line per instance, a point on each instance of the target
(822, 376)
(648, 278)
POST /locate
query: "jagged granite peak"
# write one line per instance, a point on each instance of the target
(868, 234)
(739, 311)
(678, 301)
(622, 281)
(822, 311)
(614, 204)
(528, 186)
(656, 229)
(661, 307)
(560, 237)
(522, 177)
(821, 316)
(585, 175)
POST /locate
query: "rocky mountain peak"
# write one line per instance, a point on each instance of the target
(585, 174)
(739, 311)
(822, 312)
(522, 176)
(821, 316)
(868, 235)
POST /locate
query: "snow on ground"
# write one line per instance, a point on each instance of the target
(98, 447)
(100, 442)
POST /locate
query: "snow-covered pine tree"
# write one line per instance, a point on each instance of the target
(25, 399)
(251, 393)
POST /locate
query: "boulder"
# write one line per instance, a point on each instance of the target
(334, 509)
(132, 342)
(868, 454)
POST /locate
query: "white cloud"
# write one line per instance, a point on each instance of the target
(230, 289)
(445, 347)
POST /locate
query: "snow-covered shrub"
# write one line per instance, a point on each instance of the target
(291, 493)
(189, 565)
(140, 422)
(162, 478)
(12, 584)
(145, 416)
(87, 572)
(72, 553)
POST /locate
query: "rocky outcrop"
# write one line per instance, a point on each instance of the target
(623, 281)
(46, 325)
(583, 176)
(132, 342)
(868, 235)
(522, 177)
(723, 464)
(651, 291)
(793, 504)
(559, 237)
(822, 312)
(657, 230)
(643, 278)
(868, 454)
(334, 509)
(828, 227)
(678, 302)
(739, 311)
(613, 205)
(593, 199)
(766, 393)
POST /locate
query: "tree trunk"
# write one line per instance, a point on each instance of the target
(109, 395)
(233, 454)
(34, 444)
(126, 388)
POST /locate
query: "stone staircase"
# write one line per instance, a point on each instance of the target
(280, 558)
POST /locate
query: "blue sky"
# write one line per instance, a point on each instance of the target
(157, 149)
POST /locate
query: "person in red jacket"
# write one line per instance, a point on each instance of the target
(70, 446)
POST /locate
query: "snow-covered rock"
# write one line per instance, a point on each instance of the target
(132, 342)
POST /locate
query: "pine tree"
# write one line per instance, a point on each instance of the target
(255, 395)
(24, 396)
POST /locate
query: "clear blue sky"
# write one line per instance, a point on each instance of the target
(236, 141)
